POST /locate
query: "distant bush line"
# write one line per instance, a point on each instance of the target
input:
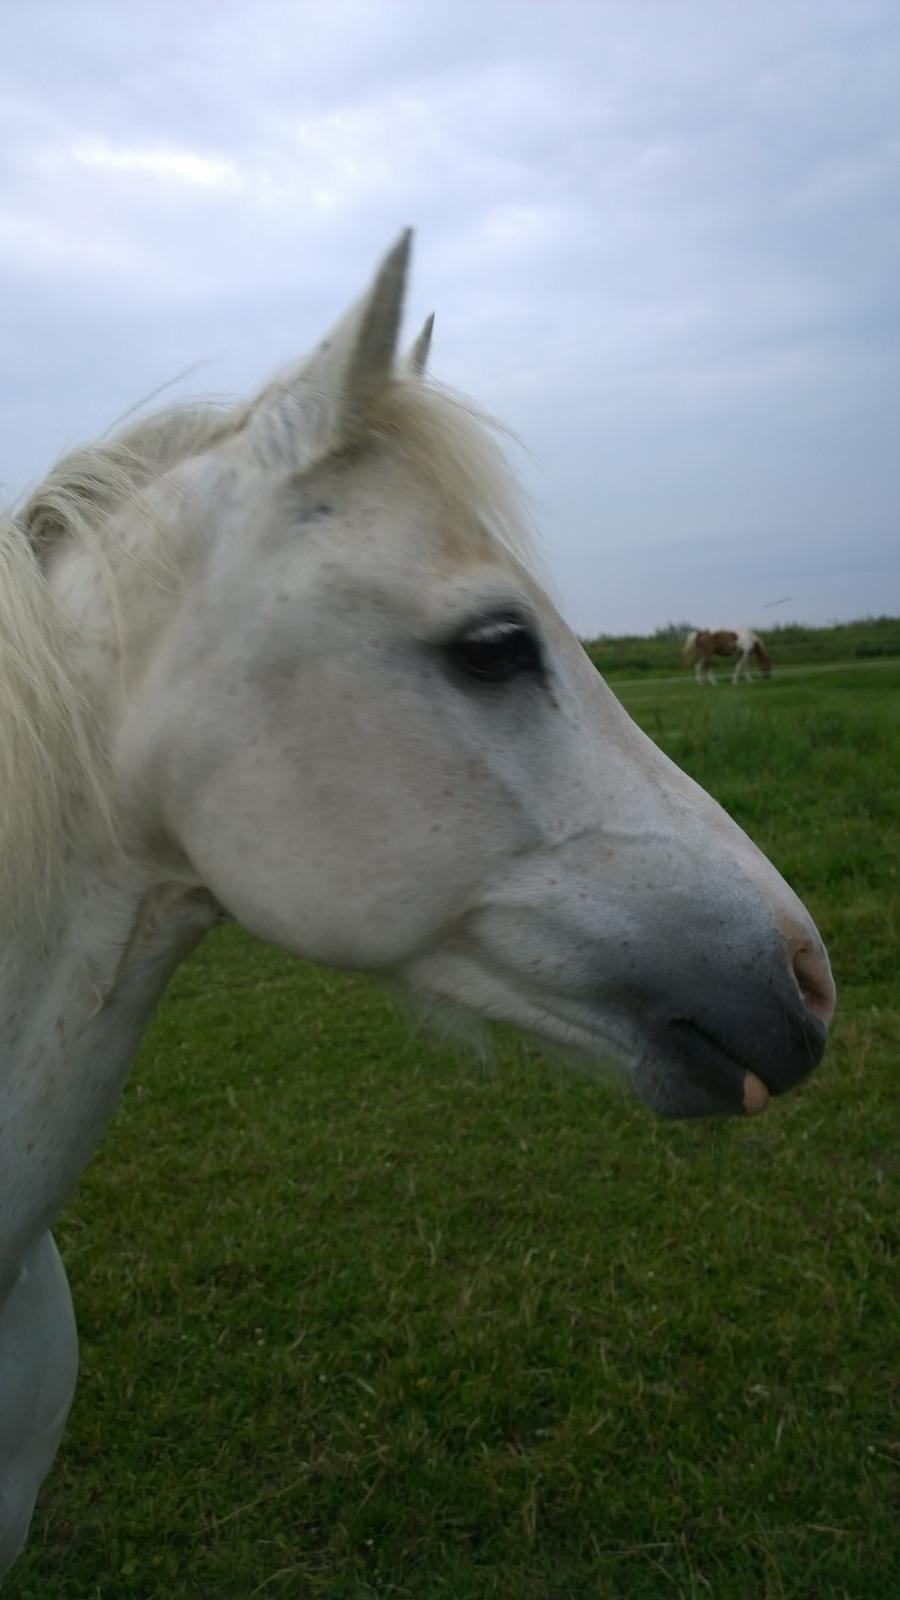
(790, 644)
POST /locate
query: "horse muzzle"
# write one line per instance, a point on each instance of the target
(731, 1050)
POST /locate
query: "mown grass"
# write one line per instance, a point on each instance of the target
(364, 1318)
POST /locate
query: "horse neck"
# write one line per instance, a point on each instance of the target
(71, 1017)
(75, 999)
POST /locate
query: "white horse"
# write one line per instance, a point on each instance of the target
(291, 664)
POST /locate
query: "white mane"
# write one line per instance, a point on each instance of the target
(53, 773)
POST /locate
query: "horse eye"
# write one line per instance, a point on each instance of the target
(496, 651)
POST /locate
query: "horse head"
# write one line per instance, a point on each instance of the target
(360, 723)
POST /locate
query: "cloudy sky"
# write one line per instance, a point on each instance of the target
(662, 238)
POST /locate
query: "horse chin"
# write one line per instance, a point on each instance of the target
(680, 1092)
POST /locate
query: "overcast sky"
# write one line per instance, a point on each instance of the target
(662, 239)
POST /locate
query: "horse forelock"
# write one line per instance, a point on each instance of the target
(456, 447)
(435, 430)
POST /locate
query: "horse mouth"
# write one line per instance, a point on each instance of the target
(715, 1074)
(684, 1072)
(681, 1068)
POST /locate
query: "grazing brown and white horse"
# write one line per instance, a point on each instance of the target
(741, 642)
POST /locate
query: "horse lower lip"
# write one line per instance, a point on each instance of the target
(756, 1095)
(722, 1070)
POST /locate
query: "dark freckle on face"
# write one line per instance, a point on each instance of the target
(308, 513)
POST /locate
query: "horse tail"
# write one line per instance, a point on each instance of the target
(762, 656)
(690, 645)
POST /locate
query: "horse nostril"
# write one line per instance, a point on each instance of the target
(814, 980)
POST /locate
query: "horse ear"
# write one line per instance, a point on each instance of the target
(321, 404)
(417, 354)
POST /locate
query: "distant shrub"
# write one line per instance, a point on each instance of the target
(789, 644)
(890, 648)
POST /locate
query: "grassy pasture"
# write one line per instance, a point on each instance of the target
(364, 1318)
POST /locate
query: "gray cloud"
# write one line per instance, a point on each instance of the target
(662, 242)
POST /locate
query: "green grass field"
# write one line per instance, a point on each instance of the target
(362, 1317)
